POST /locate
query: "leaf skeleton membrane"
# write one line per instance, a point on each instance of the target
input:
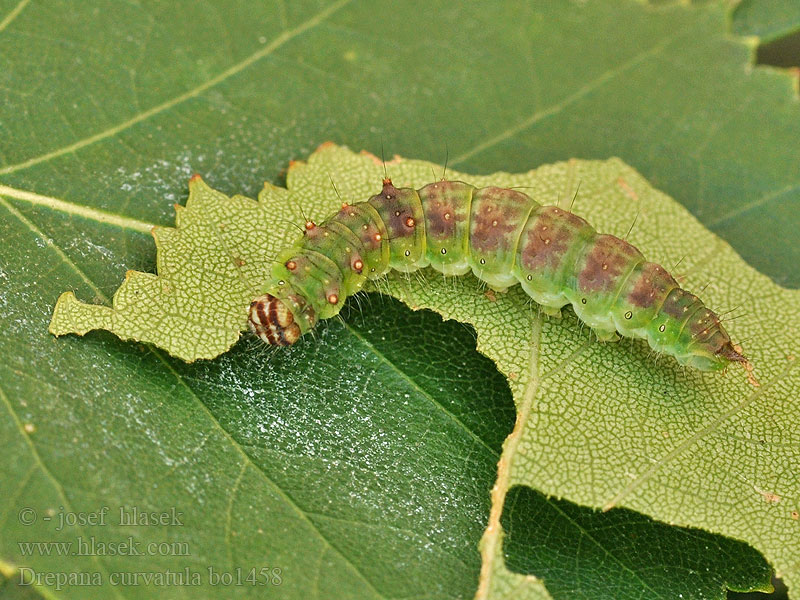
(505, 238)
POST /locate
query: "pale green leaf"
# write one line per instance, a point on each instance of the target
(601, 424)
(209, 269)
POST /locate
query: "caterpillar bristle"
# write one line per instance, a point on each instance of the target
(333, 185)
(575, 195)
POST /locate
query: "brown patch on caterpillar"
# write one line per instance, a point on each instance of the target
(490, 295)
(195, 177)
(652, 286)
(272, 321)
(607, 259)
(442, 219)
(547, 241)
(394, 206)
(496, 213)
(679, 303)
(795, 515)
(440, 210)
(706, 327)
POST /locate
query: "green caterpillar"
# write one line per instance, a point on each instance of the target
(505, 238)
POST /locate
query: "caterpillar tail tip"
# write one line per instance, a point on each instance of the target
(734, 353)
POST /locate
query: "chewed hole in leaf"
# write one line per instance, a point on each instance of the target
(384, 430)
(782, 52)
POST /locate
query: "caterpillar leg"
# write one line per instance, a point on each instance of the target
(550, 311)
(606, 336)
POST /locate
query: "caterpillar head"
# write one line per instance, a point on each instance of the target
(272, 321)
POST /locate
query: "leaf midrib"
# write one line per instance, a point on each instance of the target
(79, 210)
(493, 533)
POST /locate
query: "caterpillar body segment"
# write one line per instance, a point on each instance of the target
(504, 237)
(496, 220)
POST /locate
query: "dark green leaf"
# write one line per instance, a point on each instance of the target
(767, 19)
(583, 554)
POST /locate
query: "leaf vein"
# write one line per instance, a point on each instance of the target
(419, 389)
(693, 439)
(13, 14)
(556, 108)
(757, 203)
(235, 69)
(37, 459)
(70, 208)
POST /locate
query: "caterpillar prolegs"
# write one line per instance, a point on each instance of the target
(504, 237)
